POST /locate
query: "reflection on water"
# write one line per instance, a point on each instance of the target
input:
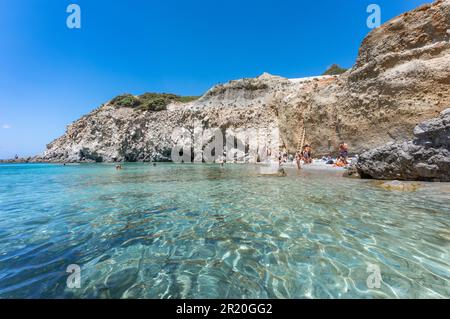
(205, 231)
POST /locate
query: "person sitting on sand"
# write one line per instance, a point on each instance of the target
(329, 160)
(341, 162)
(304, 155)
(307, 154)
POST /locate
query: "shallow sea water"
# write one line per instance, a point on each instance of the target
(205, 231)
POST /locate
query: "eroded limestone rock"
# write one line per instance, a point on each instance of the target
(401, 78)
(426, 158)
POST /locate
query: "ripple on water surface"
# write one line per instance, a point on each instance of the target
(202, 231)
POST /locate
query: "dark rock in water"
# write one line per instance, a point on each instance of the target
(281, 172)
(351, 172)
(426, 158)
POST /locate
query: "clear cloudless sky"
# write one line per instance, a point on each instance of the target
(51, 75)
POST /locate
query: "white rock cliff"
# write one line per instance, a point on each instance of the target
(401, 78)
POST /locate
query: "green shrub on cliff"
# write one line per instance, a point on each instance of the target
(155, 101)
(125, 100)
(334, 70)
(150, 101)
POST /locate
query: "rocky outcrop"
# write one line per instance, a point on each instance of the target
(115, 134)
(426, 158)
(401, 77)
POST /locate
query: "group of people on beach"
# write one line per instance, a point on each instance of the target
(343, 155)
(305, 155)
(342, 160)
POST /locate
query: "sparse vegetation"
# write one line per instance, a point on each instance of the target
(244, 84)
(334, 70)
(125, 100)
(187, 99)
(150, 101)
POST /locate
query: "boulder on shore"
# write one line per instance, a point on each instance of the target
(426, 158)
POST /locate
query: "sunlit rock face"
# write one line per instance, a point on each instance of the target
(401, 78)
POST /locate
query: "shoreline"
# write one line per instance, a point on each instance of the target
(317, 163)
(318, 166)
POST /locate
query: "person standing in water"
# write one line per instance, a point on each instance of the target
(298, 158)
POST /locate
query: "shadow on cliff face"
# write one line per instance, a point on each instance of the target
(87, 154)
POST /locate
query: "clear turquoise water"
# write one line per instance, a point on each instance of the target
(202, 231)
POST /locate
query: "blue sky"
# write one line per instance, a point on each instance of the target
(51, 75)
